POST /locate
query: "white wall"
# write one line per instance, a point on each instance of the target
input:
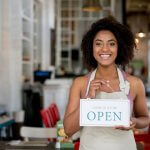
(11, 51)
(10, 67)
(0, 24)
(5, 54)
(16, 56)
(51, 12)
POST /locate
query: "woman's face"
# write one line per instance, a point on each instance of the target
(105, 48)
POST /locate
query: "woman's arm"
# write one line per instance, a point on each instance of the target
(71, 118)
(140, 106)
(141, 117)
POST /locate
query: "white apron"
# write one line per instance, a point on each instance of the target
(108, 138)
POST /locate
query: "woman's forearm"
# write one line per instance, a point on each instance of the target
(141, 122)
(71, 123)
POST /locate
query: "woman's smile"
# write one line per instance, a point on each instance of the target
(105, 56)
(105, 48)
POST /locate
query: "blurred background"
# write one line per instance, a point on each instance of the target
(40, 47)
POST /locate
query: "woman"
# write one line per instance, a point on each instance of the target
(107, 45)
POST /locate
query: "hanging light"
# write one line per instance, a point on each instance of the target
(141, 34)
(91, 5)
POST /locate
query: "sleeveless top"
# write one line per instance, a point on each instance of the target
(108, 138)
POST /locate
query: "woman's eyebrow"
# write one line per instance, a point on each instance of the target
(112, 40)
(98, 40)
(108, 40)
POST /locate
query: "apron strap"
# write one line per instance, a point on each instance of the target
(92, 76)
(124, 84)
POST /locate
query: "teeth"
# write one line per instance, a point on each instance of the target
(105, 56)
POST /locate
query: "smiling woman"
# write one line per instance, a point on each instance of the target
(106, 46)
(122, 36)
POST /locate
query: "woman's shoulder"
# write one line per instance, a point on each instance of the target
(136, 85)
(81, 80)
(80, 84)
(134, 80)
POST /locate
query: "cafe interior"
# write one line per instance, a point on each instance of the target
(40, 55)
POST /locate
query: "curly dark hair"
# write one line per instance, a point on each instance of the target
(124, 36)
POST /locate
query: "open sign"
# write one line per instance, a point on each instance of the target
(104, 112)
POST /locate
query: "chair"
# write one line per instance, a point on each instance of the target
(51, 118)
(53, 109)
(46, 117)
(38, 133)
(76, 145)
(144, 138)
(50, 115)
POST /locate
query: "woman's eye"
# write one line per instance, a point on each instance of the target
(98, 44)
(112, 44)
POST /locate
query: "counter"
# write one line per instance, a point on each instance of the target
(57, 90)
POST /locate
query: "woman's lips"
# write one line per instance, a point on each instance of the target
(105, 56)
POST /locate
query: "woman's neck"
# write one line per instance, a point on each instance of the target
(107, 73)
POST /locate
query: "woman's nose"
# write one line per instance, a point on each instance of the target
(105, 47)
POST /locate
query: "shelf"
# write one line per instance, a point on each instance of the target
(32, 25)
(26, 58)
(26, 18)
(25, 62)
(26, 14)
(65, 59)
(26, 38)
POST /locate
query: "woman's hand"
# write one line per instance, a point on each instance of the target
(95, 85)
(131, 127)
